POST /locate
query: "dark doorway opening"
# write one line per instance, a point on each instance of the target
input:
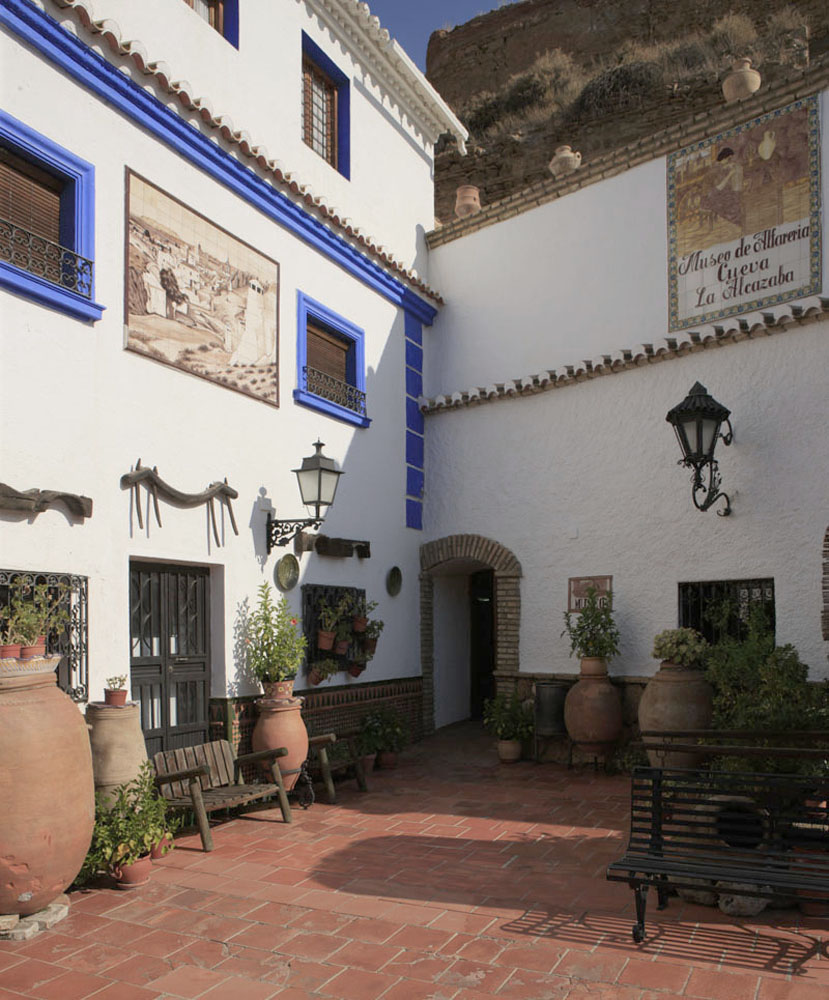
(170, 653)
(481, 640)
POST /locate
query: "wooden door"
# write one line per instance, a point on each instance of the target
(170, 653)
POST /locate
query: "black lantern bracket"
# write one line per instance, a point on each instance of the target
(317, 478)
(697, 422)
(711, 492)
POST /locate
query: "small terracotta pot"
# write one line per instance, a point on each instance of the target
(369, 646)
(368, 760)
(315, 677)
(509, 751)
(164, 846)
(115, 697)
(136, 874)
(359, 624)
(341, 647)
(37, 649)
(387, 759)
(278, 690)
(10, 651)
(325, 640)
(355, 669)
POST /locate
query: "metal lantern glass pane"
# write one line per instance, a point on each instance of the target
(317, 477)
(309, 488)
(328, 480)
(708, 431)
(696, 421)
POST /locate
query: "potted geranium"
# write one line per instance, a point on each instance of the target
(678, 697)
(115, 690)
(510, 723)
(274, 644)
(593, 707)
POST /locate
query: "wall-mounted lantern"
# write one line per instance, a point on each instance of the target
(318, 477)
(697, 421)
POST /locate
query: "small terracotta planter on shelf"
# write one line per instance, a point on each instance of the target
(369, 646)
(315, 678)
(355, 669)
(116, 698)
(35, 649)
(325, 640)
(10, 651)
(341, 647)
(359, 624)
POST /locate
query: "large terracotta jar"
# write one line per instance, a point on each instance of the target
(593, 708)
(280, 724)
(118, 748)
(47, 801)
(676, 698)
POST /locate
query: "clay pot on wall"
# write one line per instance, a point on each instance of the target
(117, 743)
(467, 200)
(47, 802)
(678, 698)
(564, 162)
(593, 708)
(280, 724)
(741, 82)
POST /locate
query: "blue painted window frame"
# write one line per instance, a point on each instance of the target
(342, 82)
(317, 313)
(77, 218)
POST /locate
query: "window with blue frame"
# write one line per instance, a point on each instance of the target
(47, 221)
(222, 15)
(331, 373)
(326, 107)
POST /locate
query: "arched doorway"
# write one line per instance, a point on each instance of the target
(466, 579)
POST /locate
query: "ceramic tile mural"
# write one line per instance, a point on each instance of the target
(197, 298)
(743, 217)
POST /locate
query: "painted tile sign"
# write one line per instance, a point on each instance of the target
(743, 217)
(578, 587)
(198, 298)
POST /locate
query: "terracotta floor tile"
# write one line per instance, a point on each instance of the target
(50, 948)
(314, 946)
(655, 975)
(474, 976)
(324, 922)
(204, 954)
(95, 958)
(140, 970)
(721, 985)
(592, 967)
(470, 923)
(355, 984)
(126, 991)
(28, 975)
(364, 929)
(69, 986)
(364, 955)
(307, 976)
(188, 981)
(421, 965)
(541, 957)
(524, 984)
(238, 988)
(269, 937)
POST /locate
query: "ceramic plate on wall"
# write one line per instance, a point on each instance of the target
(394, 581)
(286, 572)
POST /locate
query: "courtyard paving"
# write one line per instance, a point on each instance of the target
(453, 878)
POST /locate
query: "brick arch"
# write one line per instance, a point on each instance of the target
(488, 554)
(824, 621)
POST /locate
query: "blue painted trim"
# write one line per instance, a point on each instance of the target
(414, 514)
(343, 85)
(77, 217)
(414, 418)
(92, 71)
(414, 449)
(414, 356)
(231, 22)
(308, 308)
(414, 383)
(413, 329)
(415, 483)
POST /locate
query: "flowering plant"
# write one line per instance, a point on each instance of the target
(683, 646)
(274, 643)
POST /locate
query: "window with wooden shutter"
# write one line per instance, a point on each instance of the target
(319, 112)
(211, 11)
(327, 354)
(29, 197)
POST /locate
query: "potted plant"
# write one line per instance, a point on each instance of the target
(115, 690)
(274, 644)
(510, 723)
(34, 610)
(328, 618)
(343, 634)
(370, 636)
(593, 707)
(361, 611)
(391, 736)
(356, 664)
(370, 739)
(678, 697)
(321, 670)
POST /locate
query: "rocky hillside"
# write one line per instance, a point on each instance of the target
(596, 74)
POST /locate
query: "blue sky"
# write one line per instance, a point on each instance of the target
(412, 21)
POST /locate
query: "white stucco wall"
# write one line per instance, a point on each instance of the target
(259, 86)
(584, 480)
(78, 411)
(451, 649)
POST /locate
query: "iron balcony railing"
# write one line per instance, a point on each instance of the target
(45, 259)
(330, 388)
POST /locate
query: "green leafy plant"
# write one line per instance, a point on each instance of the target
(593, 632)
(373, 628)
(127, 826)
(763, 687)
(507, 719)
(117, 683)
(327, 616)
(325, 668)
(683, 646)
(274, 642)
(389, 731)
(34, 609)
(370, 738)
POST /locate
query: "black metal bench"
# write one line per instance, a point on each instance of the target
(748, 834)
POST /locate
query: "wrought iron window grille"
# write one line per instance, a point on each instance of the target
(720, 608)
(41, 257)
(335, 391)
(72, 640)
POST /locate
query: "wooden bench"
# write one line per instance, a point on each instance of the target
(764, 835)
(208, 777)
(320, 745)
